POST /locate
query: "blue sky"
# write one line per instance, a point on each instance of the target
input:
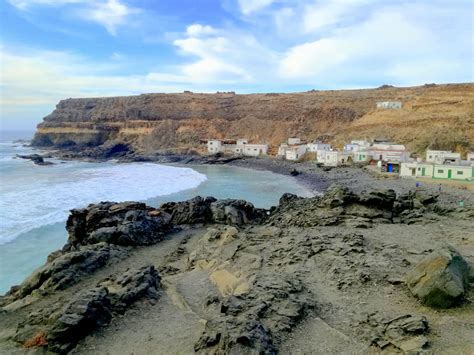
(54, 49)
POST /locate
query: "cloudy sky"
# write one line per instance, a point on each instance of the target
(54, 49)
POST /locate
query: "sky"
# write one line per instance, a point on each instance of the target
(56, 49)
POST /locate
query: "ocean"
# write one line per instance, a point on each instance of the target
(35, 200)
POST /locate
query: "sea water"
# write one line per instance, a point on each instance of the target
(35, 200)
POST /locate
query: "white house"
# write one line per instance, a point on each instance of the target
(254, 150)
(416, 169)
(282, 150)
(360, 156)
(438, 171)
(389, 152)
(333, 158)
(442, 156)
(470, 157)
(294, 141)
(315, 147)
(295, 152)
(214, 146)
(453, 172)
(394, 105)
(241, 147)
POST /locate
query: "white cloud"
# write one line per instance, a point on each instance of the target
(249, 6)
(196, 30)
(223, 56)
(111, 14)
(26, 4)
(389, 45)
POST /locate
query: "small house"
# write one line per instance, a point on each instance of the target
(453, 172)
(315, 147)
(296, 152)
(470, 157)
(214, 146)
(334, 158)
(294, 141)
(393, 105)
(438, 171)
(360, 156)
(254, 150)
(442, 156)
(389, 152)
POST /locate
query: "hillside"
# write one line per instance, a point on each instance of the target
(436, 116)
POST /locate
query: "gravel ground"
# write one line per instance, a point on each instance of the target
(356, 178)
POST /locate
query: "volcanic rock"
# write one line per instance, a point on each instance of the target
(441, 280)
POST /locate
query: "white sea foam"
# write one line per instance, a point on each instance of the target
(34, 196)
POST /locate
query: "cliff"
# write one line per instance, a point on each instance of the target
(436, 116)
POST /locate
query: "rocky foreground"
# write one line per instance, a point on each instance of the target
(348, 273)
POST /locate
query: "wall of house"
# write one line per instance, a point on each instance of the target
(457, 172)
(214, 146)
(360, 156)
(331, 159)
(254, 150)
(292, 141)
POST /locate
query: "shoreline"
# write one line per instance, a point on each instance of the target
(308, 175)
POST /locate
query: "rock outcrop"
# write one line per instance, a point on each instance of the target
(340, 206)
(60, 328)
(245, 278)
(441, 280)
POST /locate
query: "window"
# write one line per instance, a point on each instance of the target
(440, 171)
(419, 169)
(460, 172)
(430, 157)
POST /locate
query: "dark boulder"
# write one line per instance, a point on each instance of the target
(235, 212)
(126, 223)
(67, 269)
(441, 280)
(195, 210)
(59, 329)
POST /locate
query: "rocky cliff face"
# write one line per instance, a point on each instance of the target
(179, 121)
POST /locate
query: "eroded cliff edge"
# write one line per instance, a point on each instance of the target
(177, 122)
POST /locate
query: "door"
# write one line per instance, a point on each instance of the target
(449, 173)
(423, 171)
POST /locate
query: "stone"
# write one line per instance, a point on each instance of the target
(126, 223)
(441, 279)
(196, 210)
(68, 269)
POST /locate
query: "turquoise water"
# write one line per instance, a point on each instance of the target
(35, 200)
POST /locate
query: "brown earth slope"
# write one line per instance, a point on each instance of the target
(435, 116)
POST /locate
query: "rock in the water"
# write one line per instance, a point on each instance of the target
(441, 280)
(35, 158)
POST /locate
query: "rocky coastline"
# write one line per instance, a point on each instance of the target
(306, 173)
(345, 272)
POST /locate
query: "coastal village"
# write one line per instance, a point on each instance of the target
(381, 154)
